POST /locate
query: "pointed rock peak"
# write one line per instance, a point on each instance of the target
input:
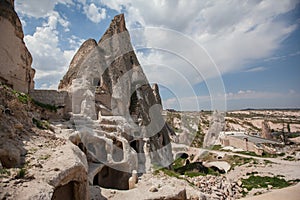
(116, 26)
(84, 49)
(77, 60)
(88, 42)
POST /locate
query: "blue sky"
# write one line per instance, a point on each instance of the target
(207, 54)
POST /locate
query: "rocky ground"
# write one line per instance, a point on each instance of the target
(229, 185)
(249, 121)
(37, 155)
(34, 155)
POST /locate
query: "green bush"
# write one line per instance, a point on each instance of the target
(216, 147)
(4, 171)
(23, 98)
(263, 182)
(21, 173)
(194, 174)
(41, 124)
(179, 162)
(45, 106)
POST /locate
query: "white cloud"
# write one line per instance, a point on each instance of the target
(75, 42)
(94, 13)
(49, 59)
(38, 8)
(251, 94)
(256, 69)
(282, 57)
(23, 23)
(92, 10)
(233, 32)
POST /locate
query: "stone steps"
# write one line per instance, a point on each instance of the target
(108, 127)
(112, 120)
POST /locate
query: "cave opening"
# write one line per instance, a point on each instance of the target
(66, 192)
(112, 179)
(133, 105)
(133, 144)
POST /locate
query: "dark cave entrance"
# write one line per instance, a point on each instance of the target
(66, 192)
(133, 107)
(112, 179)
(134, 144)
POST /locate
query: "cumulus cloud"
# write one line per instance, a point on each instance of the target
(233, 32)
(94, 13)
(92, 10)
(226, 34)
(38, 8)
(75, 41)
(48, 58)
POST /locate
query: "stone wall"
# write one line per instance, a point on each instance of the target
(52, 97)
(241, 144)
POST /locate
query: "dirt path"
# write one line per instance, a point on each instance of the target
(289, 193)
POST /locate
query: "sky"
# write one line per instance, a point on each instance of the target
(205, 55)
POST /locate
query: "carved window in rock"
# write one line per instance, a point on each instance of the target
(96, 82)
(131, 60)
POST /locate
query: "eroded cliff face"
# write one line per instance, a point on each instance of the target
(15, 59)
(78, 58)
(114, 106)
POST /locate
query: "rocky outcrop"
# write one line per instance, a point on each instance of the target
(116, 112)
(265, 130)
(78, 58)
(59, 172)
(15, 59)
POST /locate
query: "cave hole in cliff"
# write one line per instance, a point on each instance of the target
(97, 82)
(182, 155)
(134, 144)
(66, 192)
(134, 106)
(112, 179)
(131, 60)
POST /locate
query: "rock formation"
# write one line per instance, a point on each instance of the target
(265, 130)
(115, 110)
(15, 59)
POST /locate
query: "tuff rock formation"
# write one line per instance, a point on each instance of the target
(265, 130)
(116, 112)
(15, 59)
